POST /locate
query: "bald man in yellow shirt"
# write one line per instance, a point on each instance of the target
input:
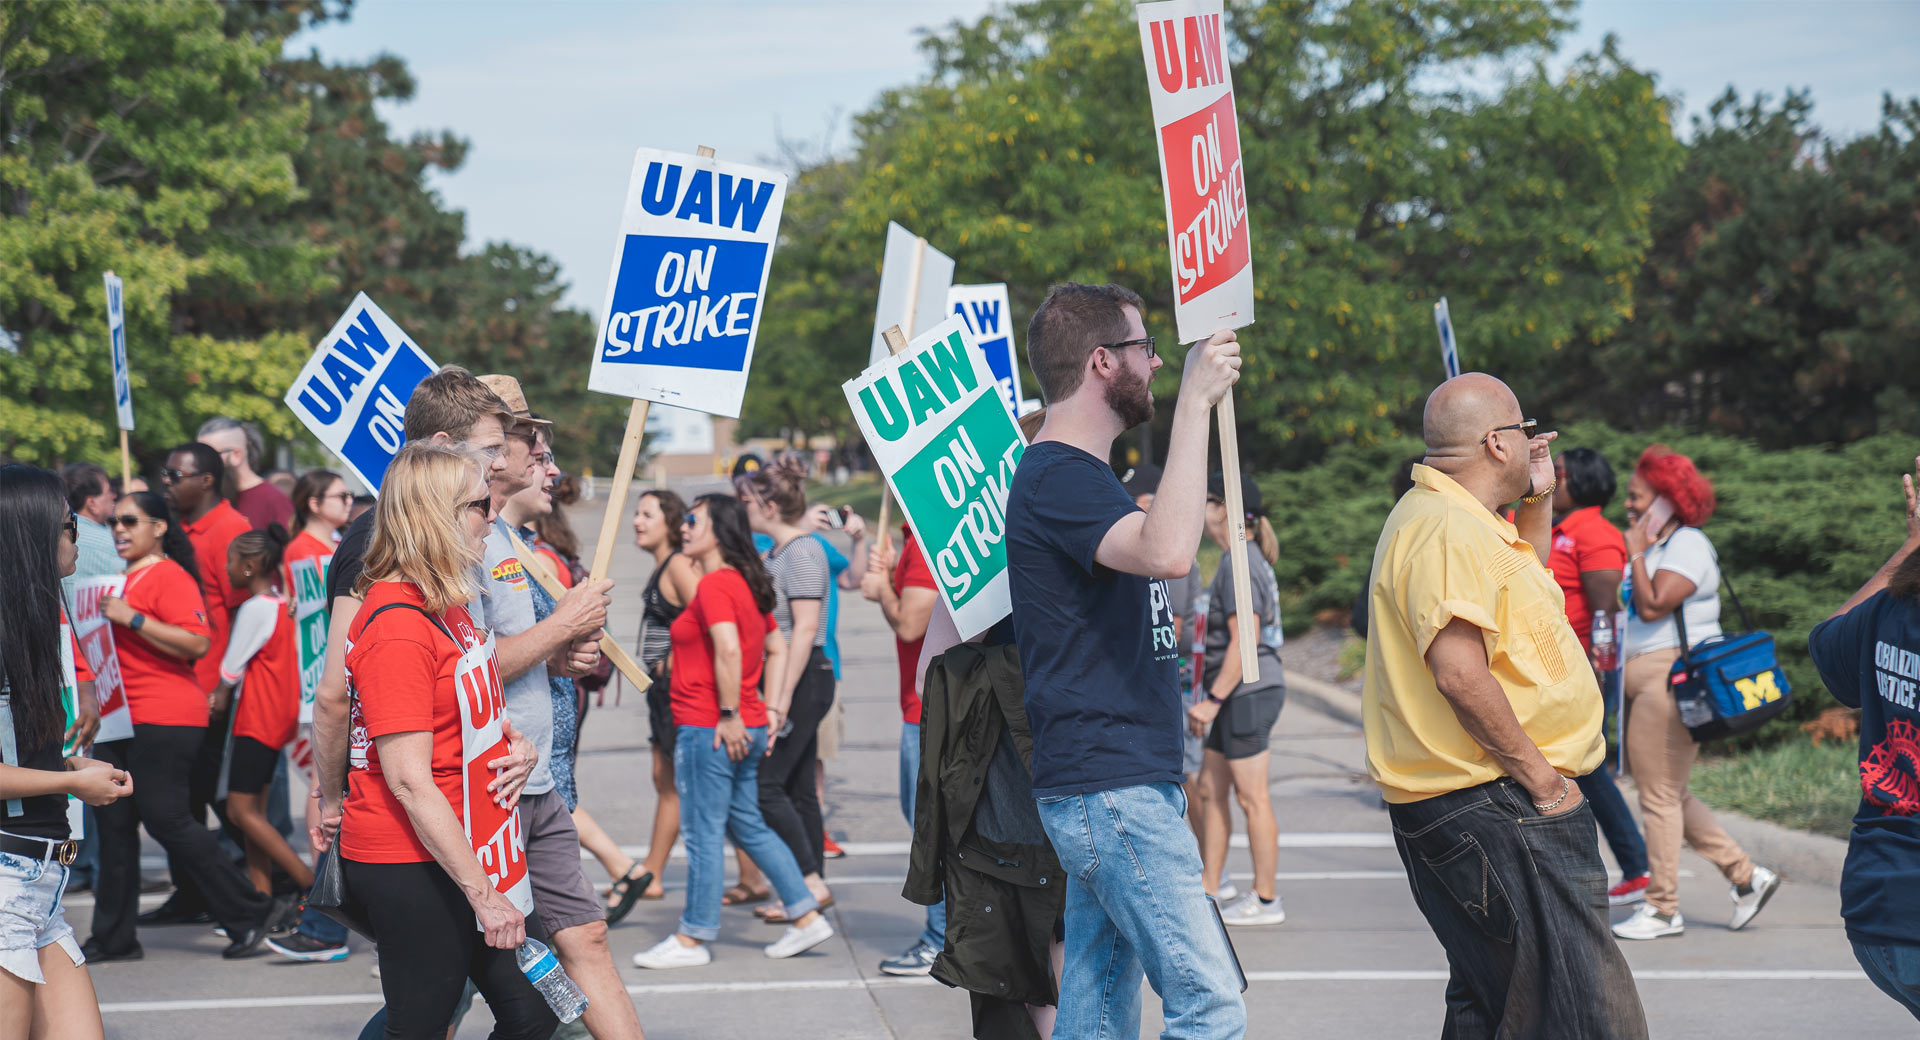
(1480, 710)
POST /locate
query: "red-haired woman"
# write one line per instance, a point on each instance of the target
(1672, 569)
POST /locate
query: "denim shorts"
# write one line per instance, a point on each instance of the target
(30, 915)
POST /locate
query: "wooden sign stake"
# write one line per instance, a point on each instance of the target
(536, 565)
(897, 342)
(623, 474)
(1248, 621)
(126, 464)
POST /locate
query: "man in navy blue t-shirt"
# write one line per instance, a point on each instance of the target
(1868, 654)
(1098, 649)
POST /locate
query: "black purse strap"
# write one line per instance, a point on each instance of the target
(424, 612)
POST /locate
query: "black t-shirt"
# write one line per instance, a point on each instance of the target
(46, 815)
(1097, 646)
(1869, 658)
(344, 572)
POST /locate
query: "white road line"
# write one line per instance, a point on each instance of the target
(660, 989)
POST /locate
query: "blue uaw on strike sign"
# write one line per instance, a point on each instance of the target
(689, 275)
(353, 392)
(984, 308)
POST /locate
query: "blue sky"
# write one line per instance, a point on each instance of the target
(555, 96)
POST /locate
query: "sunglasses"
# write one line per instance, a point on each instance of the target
(129, 521)
(1527, 428)
(72, 527)
(174, 476)
(1145, 341)
(690, 520)
(483, 506)
(343, 496)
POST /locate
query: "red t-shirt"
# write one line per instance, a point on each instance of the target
(1584, 540)
(269, 706)
(304, 546)
(211, 537)
(82, 672)
(403, 681)
(910, 572)
(162, 689)
(264, 504)
(721, 597)
(562, 571)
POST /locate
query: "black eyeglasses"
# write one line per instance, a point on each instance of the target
(1144, 341)
(128, 520)
(344, 496)
(1527, 428)
(72, 527)
(543, 459)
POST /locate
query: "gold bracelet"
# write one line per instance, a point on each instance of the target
(1544, 493)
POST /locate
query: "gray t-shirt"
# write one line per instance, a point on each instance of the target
(1182, 592)
(507, 609)
(1266, 605)
(799, 571)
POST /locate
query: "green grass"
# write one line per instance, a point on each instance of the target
(862, 493)
(1793, 783)
(1353, 656)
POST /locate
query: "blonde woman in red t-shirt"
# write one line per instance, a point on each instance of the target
(438, 863)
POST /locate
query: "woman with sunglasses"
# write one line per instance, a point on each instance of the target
(723, 642)
(45, 991)
(427, 706)
(160, 629)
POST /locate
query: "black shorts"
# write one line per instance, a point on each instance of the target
(660, 711)
(1244, 726)
(251, 768)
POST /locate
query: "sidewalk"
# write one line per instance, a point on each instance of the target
(1354, 958)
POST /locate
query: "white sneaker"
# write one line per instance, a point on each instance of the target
(1645, 923)
(1227, 894)
(671, 953)
(1747, 907)
(1250, 910)
(797, 940)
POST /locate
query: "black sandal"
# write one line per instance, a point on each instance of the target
(629, 889)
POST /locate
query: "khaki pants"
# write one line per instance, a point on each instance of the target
(1660, 755)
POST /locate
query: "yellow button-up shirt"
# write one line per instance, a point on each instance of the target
(1444, 556)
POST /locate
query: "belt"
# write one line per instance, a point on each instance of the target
(64, 852)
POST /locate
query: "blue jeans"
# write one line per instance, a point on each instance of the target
(321, 928)
(1134, 906)
(1616, 822)
(718, 798)
(935, 933)
(1895, 968)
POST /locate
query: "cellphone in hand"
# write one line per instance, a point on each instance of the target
(1658, 514)
(837, 518)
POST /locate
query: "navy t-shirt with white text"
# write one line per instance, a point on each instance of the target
(1097, 646)
(1869, 658)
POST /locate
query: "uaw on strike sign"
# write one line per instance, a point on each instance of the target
(689, 275)
(1200, 169)
(353, 392)
(938, 426)
(495, 833)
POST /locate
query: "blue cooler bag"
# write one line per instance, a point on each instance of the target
(1727, 685)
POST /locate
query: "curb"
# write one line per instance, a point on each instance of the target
(1811, 859)
(1329, 699)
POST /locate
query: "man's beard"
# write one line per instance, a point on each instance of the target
(1130, 399)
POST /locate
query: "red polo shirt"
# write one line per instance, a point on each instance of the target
(1583, 541)
(210, 537)
(910, 572)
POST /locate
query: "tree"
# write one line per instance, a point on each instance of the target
(1028, 154)
(1779, 301)
(130, 134)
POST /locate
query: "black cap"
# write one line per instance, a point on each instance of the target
(1249, 493)
(1141, 480)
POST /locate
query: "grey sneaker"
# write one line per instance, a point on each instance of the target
(918, 960)
(1759, 890)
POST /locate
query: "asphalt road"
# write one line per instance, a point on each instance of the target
(1354, 958)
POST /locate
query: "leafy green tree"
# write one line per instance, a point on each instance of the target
(1779, 301)
(130, 134)
(1028, 155)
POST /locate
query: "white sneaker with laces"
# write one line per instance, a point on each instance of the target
(797, 940)
(1645, 923)
(1227, 894)
(1760, 889)
(671, 953)
(1250, 910)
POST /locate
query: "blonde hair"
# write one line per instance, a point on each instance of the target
(1263, 537)
(417, 535)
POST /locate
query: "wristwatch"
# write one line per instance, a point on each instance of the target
(136, 621)
(726, 713)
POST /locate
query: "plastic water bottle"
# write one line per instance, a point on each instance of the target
(543, 969)
(1606, 654)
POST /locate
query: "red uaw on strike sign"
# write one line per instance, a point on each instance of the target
(494, 832)
(1200, 169)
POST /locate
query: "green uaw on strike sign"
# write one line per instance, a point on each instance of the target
(310, 619)
(936, 422)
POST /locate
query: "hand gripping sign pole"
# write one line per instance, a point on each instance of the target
(536, 565)
(1198, 136)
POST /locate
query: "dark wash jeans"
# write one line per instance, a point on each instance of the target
(1519, 901)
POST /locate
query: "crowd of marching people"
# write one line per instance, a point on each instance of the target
(1106, 722)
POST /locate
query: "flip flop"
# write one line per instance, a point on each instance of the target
(629, 889)
(741, 895)
(778, 915)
